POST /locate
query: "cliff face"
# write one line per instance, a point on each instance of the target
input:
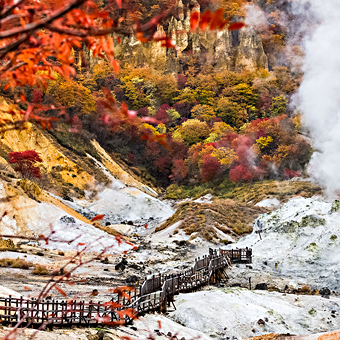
(230, 50)
(64, 168)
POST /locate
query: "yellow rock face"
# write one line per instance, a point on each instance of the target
(33, 139)
(22, 213)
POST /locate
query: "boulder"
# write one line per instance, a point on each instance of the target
(261, 286)
(325, 291)
(67, 219)
(121, 265)
(132, 279)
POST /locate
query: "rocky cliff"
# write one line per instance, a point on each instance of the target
(225, 49)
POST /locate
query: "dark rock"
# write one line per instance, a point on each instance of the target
(105, 261)
(108, 223)
(265, 263)
(130, 223)
(266, 319)
(106, 270)
(169, 334)
(122, 265)
(261, 286)
(133, 328)
(68, 198)
(260, 322)
(39, 253)
(132, 279)
(249, 267)
(94, 292)
(325, 291)
(67, 219)
(182, 243)
(236, 285)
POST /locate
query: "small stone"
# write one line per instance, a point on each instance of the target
(132, 279)
(105, 261)
(169, 334)
(67, 219)
(261, 286)
(325, 291)
(260, 322)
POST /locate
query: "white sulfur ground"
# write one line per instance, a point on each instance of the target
(270, 203)
(146, 327)
(130, 204)
(235, 312)
(300, 240)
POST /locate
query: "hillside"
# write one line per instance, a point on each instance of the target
(136, 137)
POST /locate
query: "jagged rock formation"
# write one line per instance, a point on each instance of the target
(230, 50)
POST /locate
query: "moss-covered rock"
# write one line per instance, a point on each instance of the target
(313, 247)
(335, 206)
(312, 221)
(287, 227)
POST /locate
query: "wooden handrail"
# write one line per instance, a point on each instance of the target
(153, 294)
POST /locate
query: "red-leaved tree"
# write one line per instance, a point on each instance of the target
(210, 168)
(26, 163)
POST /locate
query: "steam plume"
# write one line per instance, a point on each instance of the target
(319, 94)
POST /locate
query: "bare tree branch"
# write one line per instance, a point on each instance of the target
(7, 11)
(43, 22)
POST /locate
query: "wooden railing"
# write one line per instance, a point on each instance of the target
(155, 293)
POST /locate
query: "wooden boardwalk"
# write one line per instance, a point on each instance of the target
(155, 294)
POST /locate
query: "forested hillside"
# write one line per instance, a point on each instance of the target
(210, 121)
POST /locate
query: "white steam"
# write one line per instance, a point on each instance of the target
(319, 94)
(255, 17)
